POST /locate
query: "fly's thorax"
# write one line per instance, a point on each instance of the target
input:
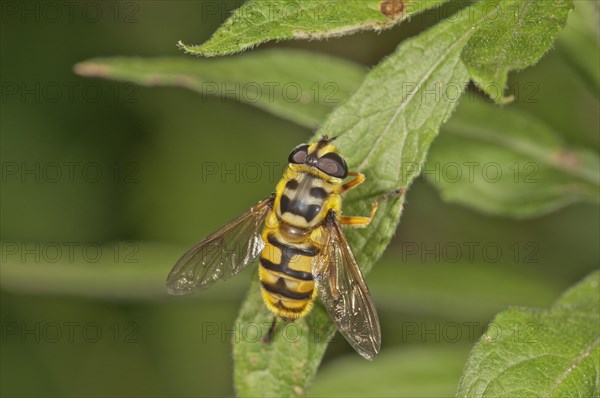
(303, 200)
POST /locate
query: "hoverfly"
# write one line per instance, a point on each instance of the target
(301, 250)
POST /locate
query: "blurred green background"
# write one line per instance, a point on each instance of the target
(85, 252)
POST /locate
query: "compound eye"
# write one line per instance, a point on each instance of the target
(299, 154)
(333, 164)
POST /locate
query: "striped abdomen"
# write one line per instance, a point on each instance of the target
(285, 275)
(286, 261)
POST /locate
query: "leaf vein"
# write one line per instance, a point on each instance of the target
(586, 353)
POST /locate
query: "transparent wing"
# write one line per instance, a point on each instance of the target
(222, 254)
(344, 293)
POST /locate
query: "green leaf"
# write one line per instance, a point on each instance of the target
(506, 162)
(258, 21)
(296, 85)
(540, 353)
(515, 35)
(389, 119)
(423, 371)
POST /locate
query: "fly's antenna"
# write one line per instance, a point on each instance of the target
(326, 138)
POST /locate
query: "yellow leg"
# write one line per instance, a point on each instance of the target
(361, 222)
(360, 178)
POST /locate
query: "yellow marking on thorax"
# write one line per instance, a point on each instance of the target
(331, 185)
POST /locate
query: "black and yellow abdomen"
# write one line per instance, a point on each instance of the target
(292, 236)
(285, 274)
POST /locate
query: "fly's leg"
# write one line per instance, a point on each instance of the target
(360, 221)
(268, 338)
(360, 178)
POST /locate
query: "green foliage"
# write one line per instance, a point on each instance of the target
(535, 177)
(154, 345)
(386, 126)
(514, 35)
(296, 85)
(258, 21)
(380, 139)
(375, 140)
(540, 353)
(520, 167)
